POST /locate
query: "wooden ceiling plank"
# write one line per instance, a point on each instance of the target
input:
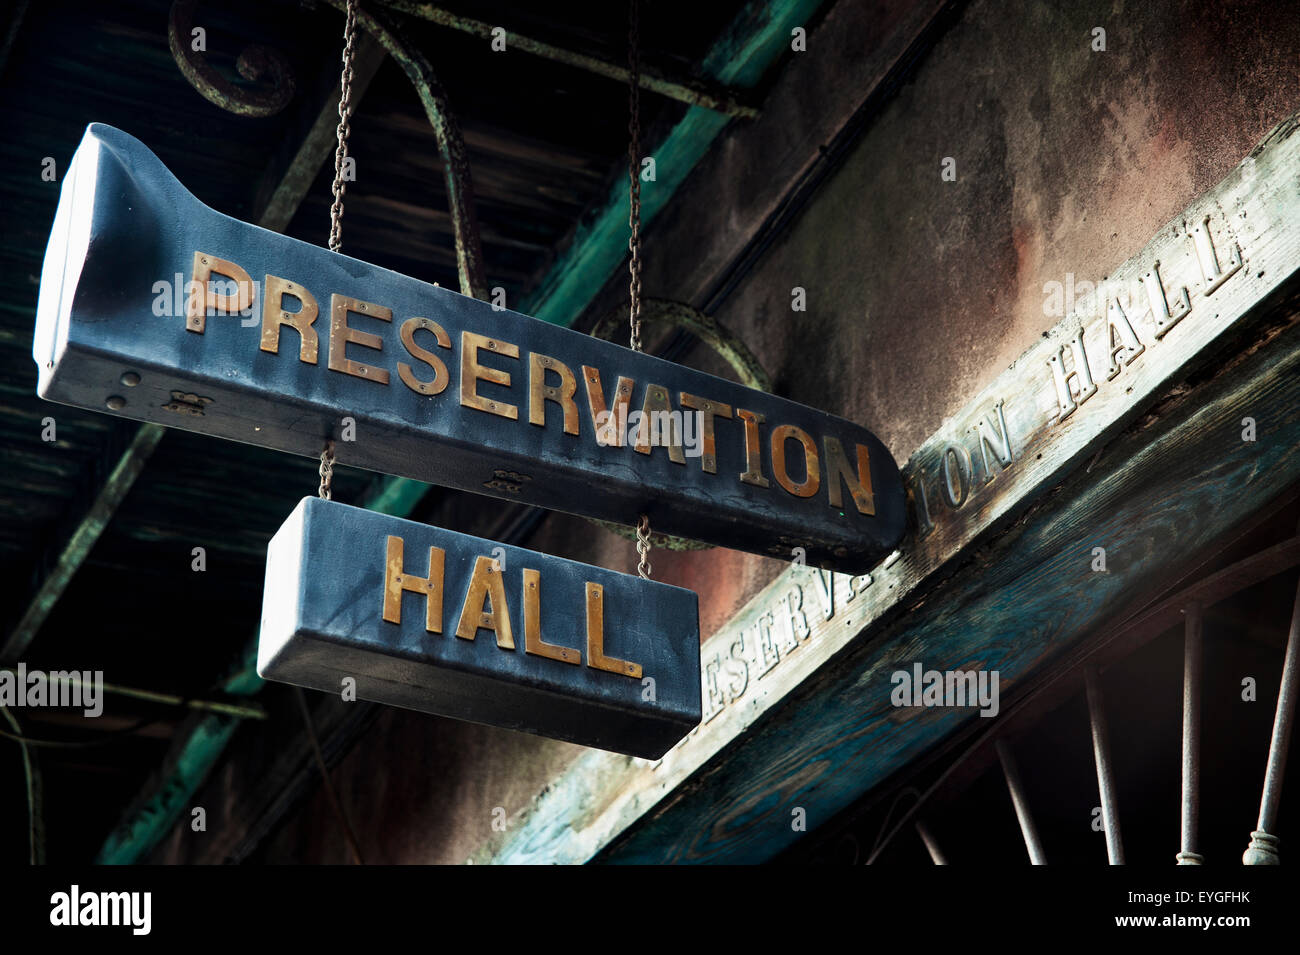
(296, 164)
(685, 89)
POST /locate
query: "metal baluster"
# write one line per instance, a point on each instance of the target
(1263, 844)
(1105, 769)
(1193, 667)
(1012, 774)
(931, 846)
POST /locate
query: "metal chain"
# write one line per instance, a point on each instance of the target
(326, 471)
(634, 220)
(643, 546)
(634, 167)
(345, 110)
(340, 186)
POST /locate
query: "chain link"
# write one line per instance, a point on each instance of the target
(326, 471)
(643, 546)
(344, 129)
(634, 221)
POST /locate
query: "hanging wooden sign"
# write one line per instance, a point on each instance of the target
(155, 307)
(360, 603)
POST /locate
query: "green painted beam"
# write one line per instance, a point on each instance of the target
(82, 541)
(206, 742)
(397, 496)
(751, 43)
(145, 827)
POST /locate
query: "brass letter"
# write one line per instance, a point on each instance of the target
(396, 581)
(533, 642)
(341, 334)
(658, 407)
(486, 584)
(596, 401)
(471, 371)
(596, 637)
(812, 465)
(837, 470)
(707, 409)
(753, 473)
(203, 298)
(440, 376)
(274, 315)
(539, 392)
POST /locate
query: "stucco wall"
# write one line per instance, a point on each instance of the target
(918, 291)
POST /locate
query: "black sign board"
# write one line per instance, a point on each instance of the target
(378, 608)
(155, 307)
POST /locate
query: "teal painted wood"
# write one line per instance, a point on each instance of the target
(194, 758)
(119, 482)
(758, 36)
(1157, 495)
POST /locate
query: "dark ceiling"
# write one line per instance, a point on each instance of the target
(546, 142)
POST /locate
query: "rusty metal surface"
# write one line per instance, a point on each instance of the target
(256, 62)
(692, 90)
(666, 313)
(445, 623)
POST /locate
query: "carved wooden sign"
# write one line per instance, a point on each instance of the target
(1230, 255)
(157, 308)
(402, 613)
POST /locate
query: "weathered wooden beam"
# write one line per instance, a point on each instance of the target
(1225, 265)
(840, 737)
(961, 754)
(854, 75)
(685, 89)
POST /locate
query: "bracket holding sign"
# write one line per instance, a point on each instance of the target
(442, 388)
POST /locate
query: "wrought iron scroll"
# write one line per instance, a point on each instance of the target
(256, 62)
(660, 311)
